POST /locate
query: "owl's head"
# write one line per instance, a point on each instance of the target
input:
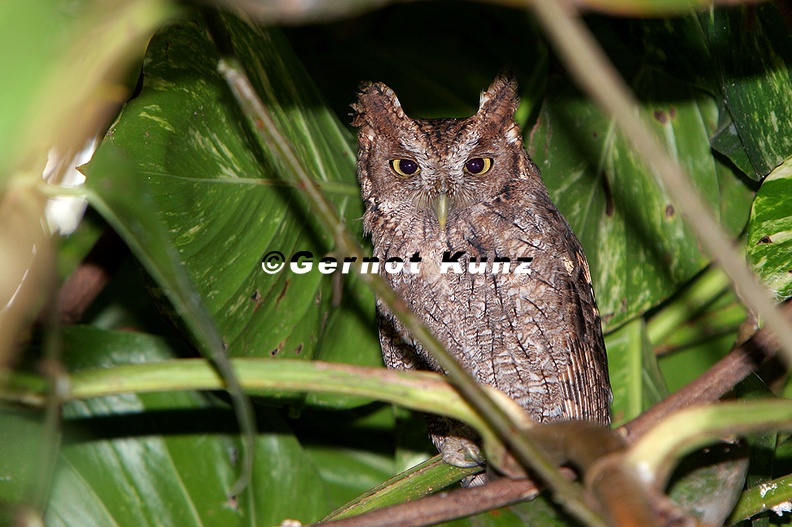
(433, 169)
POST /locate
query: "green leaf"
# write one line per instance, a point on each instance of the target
(146, 236)
(639, 248)
(677, 46)
(21, 479)
(769, 243)
(726, 140)
(347, 472)
(752, 48)
(170, 458)
(223, 204)
(178, 479)
(708, 482)
(696, 328)
(419, 481)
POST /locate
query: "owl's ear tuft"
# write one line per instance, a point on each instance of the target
(501, 96)
(377, 105)
(498, 105)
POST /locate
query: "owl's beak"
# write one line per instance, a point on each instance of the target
(441, 209)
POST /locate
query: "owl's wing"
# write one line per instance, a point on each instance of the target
(397, 353)
(586, 386)
(548, 353)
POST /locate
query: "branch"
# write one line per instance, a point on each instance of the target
(424, 391)
(605, 475)
(447, 506)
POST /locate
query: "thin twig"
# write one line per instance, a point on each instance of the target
(527, 453)
(589, 65)
(447, 506)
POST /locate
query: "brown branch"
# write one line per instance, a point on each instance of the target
(89, 279)
(447, 506)
(597, 452)
(580, 443)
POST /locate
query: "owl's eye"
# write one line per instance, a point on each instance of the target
(404, 167)
(478, 165)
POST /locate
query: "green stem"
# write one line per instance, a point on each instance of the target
(656, 452)
(764, 497)
(527, 453)
(399, 489)
(423, 391)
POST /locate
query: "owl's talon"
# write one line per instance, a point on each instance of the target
(462, 453)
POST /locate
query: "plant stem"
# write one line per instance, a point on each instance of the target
(565, 492)
(655, 452)
(444, 506)
(393, 492)
(764, 497)
(423, 391)
(712, 384)
(587, 62)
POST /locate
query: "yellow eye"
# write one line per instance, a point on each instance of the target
(478, 166)
(404, 167)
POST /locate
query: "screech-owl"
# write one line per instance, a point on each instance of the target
(448, 185)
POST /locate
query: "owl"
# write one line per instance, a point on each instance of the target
(464, 198)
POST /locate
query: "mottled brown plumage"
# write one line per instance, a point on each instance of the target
(535, 336)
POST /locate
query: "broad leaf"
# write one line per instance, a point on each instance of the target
(741, 56)
(640, 250)
(696, 328)
(752, 48)
(219, 196)
(708, 482)
(169, 458)
(769, 243)
(25, 446)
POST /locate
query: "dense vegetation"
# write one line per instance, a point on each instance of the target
(109, 414)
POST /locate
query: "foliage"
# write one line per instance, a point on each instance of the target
(183, 176)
